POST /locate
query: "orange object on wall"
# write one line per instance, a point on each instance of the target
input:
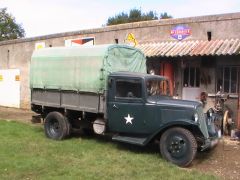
(166, 69)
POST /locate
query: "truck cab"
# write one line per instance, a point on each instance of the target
(140, 109)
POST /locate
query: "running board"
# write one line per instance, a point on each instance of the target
(131, 140)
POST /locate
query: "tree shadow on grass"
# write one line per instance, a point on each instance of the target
(151, 148)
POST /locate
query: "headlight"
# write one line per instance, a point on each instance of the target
(195, 117)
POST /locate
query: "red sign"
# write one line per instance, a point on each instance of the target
(180, 32)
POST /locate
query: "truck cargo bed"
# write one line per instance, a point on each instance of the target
(73, 100)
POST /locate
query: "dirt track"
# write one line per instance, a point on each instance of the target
(223, 161)
(16, 114)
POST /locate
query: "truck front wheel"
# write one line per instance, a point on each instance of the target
(56, 126)
(178, 146)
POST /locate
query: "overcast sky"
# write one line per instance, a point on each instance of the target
(41, 17)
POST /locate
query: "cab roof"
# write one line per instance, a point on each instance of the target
(135, 75)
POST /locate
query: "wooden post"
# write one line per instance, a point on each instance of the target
(238, 106)
(238, 115)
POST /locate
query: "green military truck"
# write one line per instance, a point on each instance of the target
(106, 89)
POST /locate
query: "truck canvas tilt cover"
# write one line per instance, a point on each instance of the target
(106, 89)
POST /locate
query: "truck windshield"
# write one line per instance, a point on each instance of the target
(157, 87)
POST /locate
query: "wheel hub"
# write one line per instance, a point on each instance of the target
(54, 127)
(177, 147)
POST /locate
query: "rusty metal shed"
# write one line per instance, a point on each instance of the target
(191, 48)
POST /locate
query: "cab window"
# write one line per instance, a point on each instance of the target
(128, 89)
(158, 87)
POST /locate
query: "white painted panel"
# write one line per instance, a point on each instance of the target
(10, 88)
(192, 94)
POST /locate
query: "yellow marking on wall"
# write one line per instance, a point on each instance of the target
(131, 38)
(39, 45)
(17, 78)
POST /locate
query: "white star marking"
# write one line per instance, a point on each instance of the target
(128, 119)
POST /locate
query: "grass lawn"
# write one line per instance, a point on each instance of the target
(25, 153)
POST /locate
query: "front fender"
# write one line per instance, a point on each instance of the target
(189, 124)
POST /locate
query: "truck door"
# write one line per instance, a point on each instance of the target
(126, 106)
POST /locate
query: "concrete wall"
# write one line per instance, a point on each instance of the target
(17, 53)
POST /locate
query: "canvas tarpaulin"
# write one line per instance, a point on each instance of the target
(82, 68)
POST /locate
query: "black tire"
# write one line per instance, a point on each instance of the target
(56, 126)
(178, 146)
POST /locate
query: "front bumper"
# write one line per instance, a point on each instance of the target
(210, 133)
(209, 143)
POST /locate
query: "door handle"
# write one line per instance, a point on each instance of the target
(115, 107)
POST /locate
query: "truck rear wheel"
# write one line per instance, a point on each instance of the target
(56, 126)
(178, 146)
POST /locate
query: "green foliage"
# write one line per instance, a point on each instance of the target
(26, 153)
(9, 29)
(135, 15)
(165, 16)
(118, 19)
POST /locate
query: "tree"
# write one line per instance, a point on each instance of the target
(165, 16)
(9, 29)
(121, 18)
(135, 15)
(150, 16)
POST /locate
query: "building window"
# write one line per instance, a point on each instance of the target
(191, 77)
(227, 79)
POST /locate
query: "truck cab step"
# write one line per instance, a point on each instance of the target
(132, 140)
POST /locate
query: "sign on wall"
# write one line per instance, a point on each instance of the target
(10, 88)
(86, 41)
(39, 45)
(130, 39)
(180, 32)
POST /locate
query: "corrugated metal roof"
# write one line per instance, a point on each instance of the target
(191, 48)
